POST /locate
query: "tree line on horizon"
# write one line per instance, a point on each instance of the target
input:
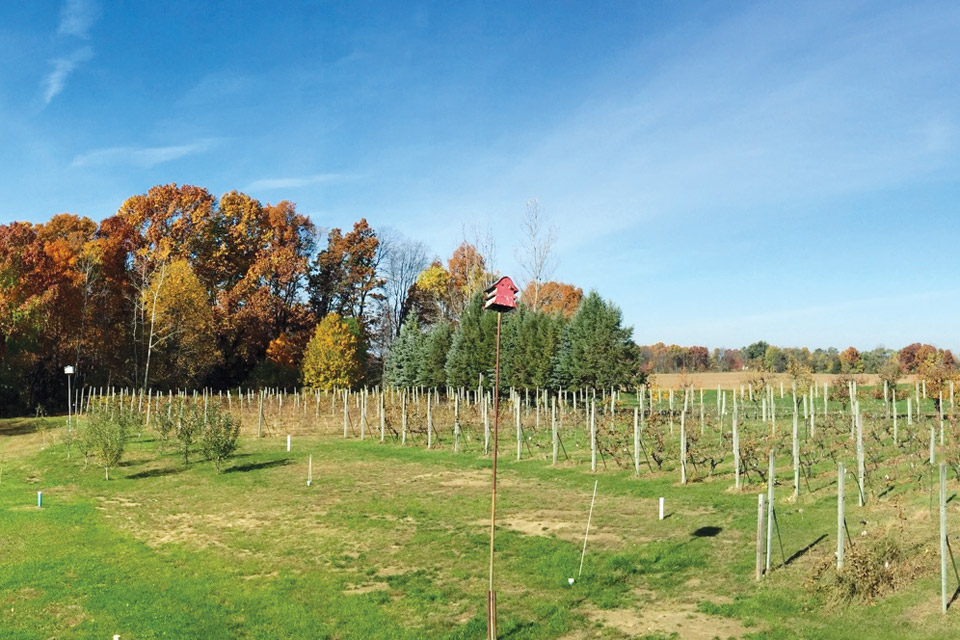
(180, 289)
(761, 356)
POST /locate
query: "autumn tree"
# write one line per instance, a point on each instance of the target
(180, 330)
(850, 361)
(553, 297)
(343, 278)
(332, 357)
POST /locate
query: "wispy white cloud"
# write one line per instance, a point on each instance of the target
(293, 182)
(77, 17)
(55, 81)
(141, 156)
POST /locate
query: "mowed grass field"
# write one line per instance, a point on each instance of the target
(391, 542)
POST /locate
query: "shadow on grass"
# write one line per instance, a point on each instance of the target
(254, 466)
(802, 552)
(154, 473)
(706, 532)
(18, 427)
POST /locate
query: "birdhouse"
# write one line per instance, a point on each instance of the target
(501, 295)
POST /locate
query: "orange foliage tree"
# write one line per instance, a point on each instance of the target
(553, 297)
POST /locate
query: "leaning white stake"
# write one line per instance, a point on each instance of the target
(587, 533)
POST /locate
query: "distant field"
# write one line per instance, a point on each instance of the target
(391, 541)
(730, 379)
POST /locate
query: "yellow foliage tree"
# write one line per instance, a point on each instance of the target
(181, 344)
(331, 359)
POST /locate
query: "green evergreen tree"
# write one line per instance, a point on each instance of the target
(473, 348)
(431, 364)
(596, 350)
(530, 347)
(405, 355)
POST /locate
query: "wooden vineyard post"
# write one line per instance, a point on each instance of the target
(736, 448)
(363, 414)
(770, 483)
(840, 518)
(861, 469)
(683, 448)
(796, 454)
(456, 423)
(592, 410)
(260, 415)
(383, 418)
(519, 430)
(346, 416)
(893, 405)
(403, 417)
(499, 297)
(429, 422)
(759, 536)
(486, 424)
(943, 537)
(553, 428)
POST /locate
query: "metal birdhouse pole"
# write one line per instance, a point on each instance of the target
(500, 297)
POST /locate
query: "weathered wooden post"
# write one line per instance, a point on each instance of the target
(592, 410)
(553, 428)
(500, 297)
(840, 518)
(429, 422)
(736, 448)
(759, 536)
(943, 537)
(861, 469)
(456, 423)
(770, 483)
(403, 417)
(683, 448)
(519, 430)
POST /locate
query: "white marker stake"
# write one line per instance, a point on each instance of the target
(310, 471)
(288, 442)
(39, 499)
(661, 508)
(587, 533)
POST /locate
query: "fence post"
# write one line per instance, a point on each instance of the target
(683, 448)
(943, 537)
(840, 518)
(770, 482)
(592, 409)
(553, 427)
(759, 536)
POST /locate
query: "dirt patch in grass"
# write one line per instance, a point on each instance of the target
(666, 618)
(565, 525)
(366, 588)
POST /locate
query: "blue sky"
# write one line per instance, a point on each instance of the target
(725, 172)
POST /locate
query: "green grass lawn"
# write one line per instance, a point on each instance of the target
(392, 542)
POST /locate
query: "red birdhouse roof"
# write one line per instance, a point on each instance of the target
(501, 295)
